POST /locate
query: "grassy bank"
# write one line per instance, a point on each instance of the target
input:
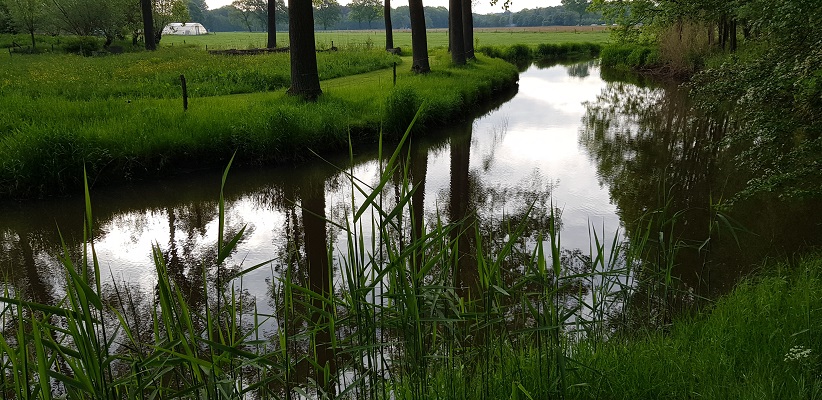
(55, 124)
(762, 341)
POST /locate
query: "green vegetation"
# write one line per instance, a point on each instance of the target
(756, 60)
(761, 341)
(519, 53)
(156, 75)
(125, 136)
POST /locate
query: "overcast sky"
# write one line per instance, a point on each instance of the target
(480, 7)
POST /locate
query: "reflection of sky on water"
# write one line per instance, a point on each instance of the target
(542, 134)
(532, 139)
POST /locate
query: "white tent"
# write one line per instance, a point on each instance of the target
(184, 28)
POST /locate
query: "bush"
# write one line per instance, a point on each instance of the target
(629, 56)
(85, 45)
(637, 57)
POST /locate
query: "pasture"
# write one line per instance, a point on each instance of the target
(402, 38)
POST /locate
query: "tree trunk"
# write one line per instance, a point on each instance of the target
(419, 40)
(148, 25)
(389, 29)
(33, 42)
(455, 38)
(732, 34)
(305, 80)
(272, 24)
(468, 29)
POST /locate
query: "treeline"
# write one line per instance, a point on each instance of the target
(122, 20)
(111, 19)
(251, 15)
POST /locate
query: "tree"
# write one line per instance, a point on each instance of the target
(148, 24)
(197, 10)
(28, 16)
(91, 17)
(577, 6)
(455, 34)
(389, 29)
(365, 10)
(468, 29)
(328, 12)
(165, 12)
(305, 80)
(419, 40)
(243, 13)
(271, 26)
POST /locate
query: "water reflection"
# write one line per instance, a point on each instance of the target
(668, 171)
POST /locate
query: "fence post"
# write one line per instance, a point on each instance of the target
(185, 92)
(395, 73)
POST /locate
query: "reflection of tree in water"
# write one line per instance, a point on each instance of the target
(301, 297)
(667, 169)
(661, 163)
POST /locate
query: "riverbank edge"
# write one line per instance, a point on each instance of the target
(149, 139)
(762, 338)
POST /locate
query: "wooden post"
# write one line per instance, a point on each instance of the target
(395, 73)
(185, 92)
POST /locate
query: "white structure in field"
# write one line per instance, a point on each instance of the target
(185, 28)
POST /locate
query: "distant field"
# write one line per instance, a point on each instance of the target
(402, 38)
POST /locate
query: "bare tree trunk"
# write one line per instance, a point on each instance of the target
(732, 34)
(148, 25)
(389, 29)
(468, 29)
(305, 80)
(419, 39)
(456, 41)
(272, 24)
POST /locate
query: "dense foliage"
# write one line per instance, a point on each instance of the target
(759, 59)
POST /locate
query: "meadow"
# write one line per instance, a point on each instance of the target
(437, 38)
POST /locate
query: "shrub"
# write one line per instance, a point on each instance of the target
(85, 45)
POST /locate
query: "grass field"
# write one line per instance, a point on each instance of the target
(402, 38)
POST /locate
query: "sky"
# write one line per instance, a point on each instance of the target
(480, 6)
